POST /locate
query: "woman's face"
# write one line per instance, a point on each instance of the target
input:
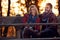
(10, 29)
(33, 11)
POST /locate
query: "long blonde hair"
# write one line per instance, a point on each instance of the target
(33, 6)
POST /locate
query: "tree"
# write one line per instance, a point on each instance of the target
(0, 18)
(8, 8)
(29, 2)
(36, 3)
(0, 9)
(59, 6)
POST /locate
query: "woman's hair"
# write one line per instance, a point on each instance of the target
(33, 6)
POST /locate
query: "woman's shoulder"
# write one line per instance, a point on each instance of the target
(26, 15)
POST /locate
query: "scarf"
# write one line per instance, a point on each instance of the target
(32, 19)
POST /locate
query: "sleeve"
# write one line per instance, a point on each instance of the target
(37, 27)
(24, 19)
(53, 20)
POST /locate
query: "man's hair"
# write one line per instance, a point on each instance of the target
(49, 5)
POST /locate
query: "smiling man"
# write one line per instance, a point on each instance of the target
(48, 16)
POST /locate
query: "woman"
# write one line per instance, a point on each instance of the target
(11, 32)
(32, 17)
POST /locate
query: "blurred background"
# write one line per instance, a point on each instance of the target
(14, 7)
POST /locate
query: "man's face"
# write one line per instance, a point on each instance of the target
(47, 8)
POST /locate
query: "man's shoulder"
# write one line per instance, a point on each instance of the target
(52, 14)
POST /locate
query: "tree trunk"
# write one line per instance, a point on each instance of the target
(27, 4)
(59, 6)
(0, 18)
(8, 8)
(0, 9)
(36, 3)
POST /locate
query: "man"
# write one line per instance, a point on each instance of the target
(48, 16)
